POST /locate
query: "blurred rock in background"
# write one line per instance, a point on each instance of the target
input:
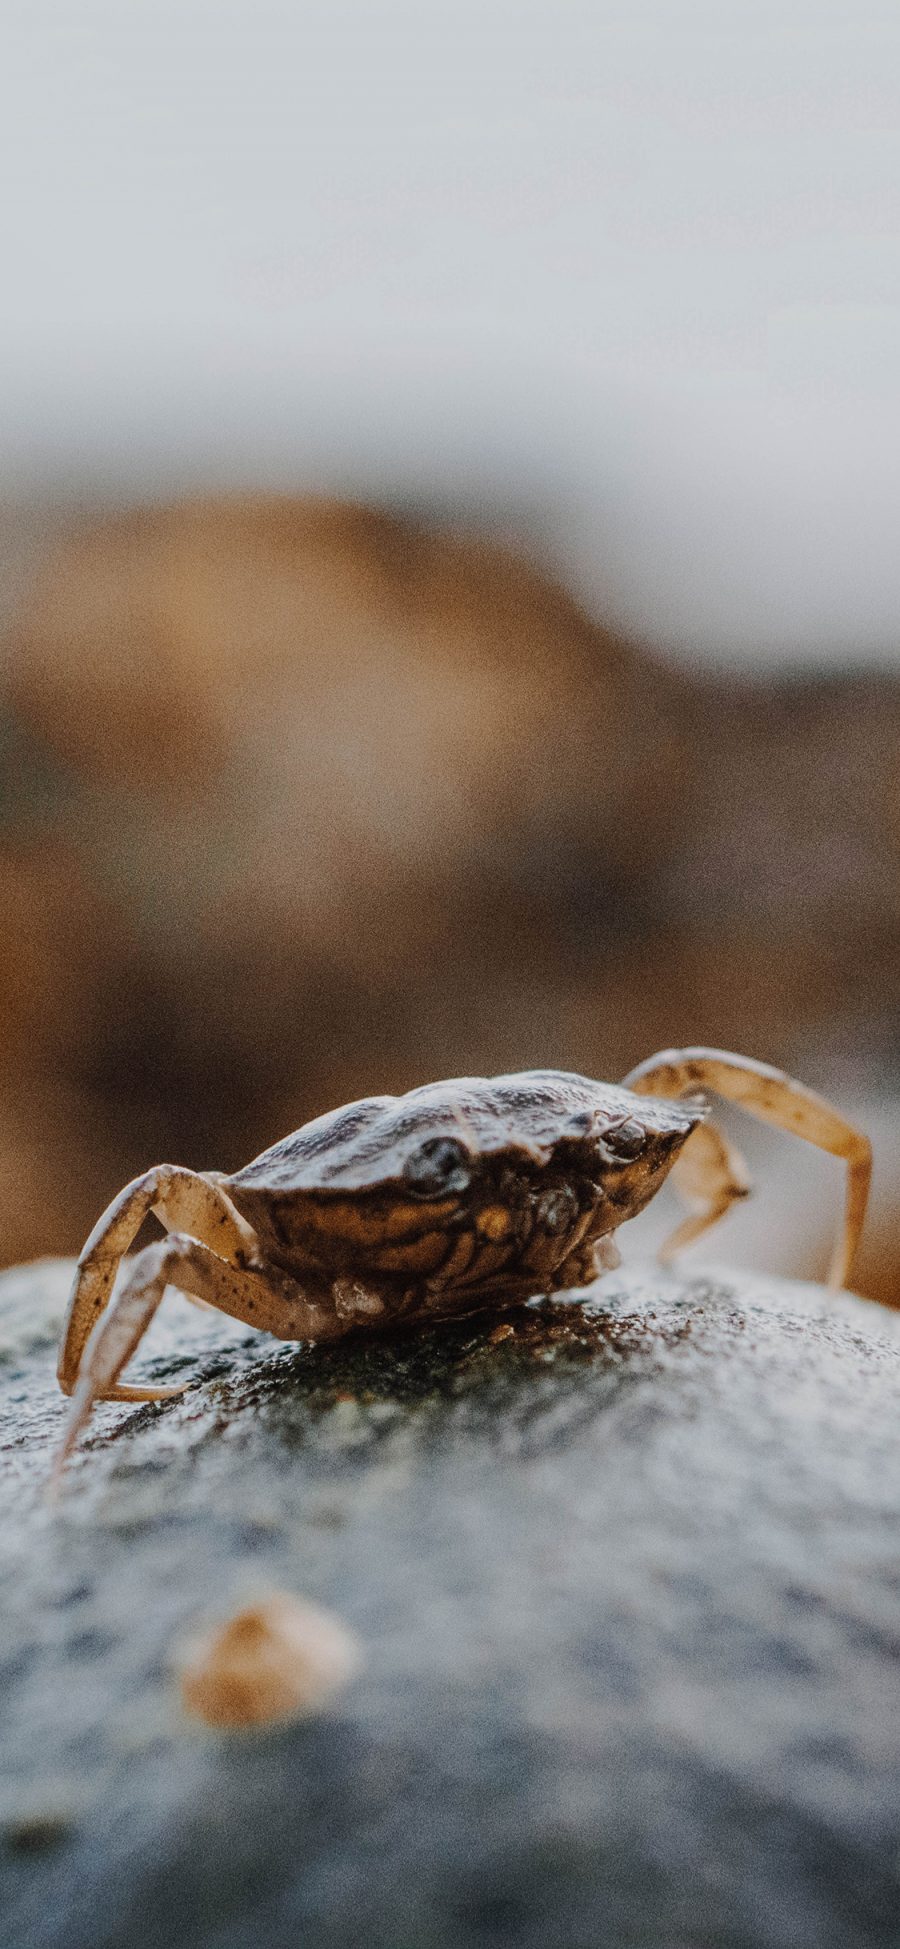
(303, 801)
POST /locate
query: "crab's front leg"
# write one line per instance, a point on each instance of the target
(709, 1174)
(261, 1296)
(776, 1099)
(184, 1201)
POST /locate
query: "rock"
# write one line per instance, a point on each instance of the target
(628, 1587)
(307, 797)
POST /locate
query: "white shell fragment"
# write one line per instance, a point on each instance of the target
(278, 1659)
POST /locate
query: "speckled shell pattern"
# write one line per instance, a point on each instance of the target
(363, 1145)
(541, 1184)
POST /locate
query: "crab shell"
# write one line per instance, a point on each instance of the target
(427, 1203)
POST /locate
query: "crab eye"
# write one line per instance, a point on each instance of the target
(438, 1167)
(627, 1140)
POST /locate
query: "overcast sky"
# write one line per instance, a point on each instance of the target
(623, 278)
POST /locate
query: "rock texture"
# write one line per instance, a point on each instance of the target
(627, 1580)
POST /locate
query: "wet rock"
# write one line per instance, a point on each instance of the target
(627, 1583)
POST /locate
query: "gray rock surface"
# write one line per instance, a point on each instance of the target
(628, 1583)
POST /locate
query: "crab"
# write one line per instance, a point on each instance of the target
(460, 1197)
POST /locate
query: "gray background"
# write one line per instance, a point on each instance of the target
(621, 280)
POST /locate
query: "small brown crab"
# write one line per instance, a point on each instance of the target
(456, 1198)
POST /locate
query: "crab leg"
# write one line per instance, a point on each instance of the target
(709, 1174)
(182, 1199)
(776, 1099)
(259, 1297)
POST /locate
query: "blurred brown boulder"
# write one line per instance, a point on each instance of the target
(303, 801)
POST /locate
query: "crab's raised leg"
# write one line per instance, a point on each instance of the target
(260, 1296)
(777, 1099)
(184, 1200)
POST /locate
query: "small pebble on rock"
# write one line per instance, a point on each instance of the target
(278, 1659)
